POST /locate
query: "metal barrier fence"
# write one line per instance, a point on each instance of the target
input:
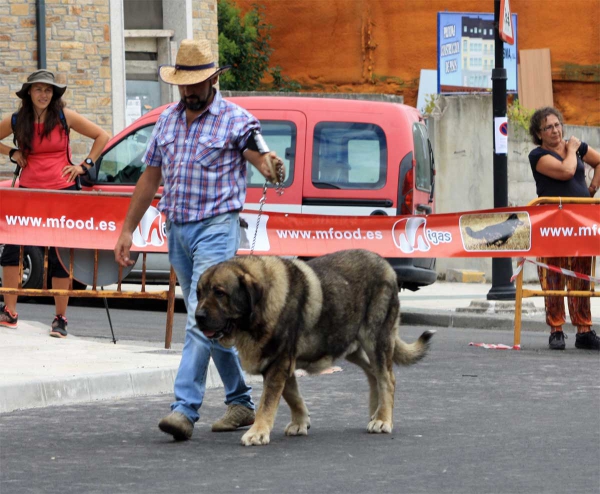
(168, 295)
(524, 293)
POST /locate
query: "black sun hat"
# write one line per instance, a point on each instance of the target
(45, 77)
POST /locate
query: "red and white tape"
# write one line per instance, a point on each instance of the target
(566, 272)
(495, 346)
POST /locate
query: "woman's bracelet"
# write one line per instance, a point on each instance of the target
(10, 154)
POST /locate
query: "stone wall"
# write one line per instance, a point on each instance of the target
(77, 51)
(204, 13)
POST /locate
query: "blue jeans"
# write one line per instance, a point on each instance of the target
(193, 248)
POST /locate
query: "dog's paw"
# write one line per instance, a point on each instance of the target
(255, 437)
(379, 427)
(297, 429)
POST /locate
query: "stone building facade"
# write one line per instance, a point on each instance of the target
(87, 46)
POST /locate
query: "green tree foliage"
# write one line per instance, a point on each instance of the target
(282, 82)
(244, 44)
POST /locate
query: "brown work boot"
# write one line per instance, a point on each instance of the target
(178, 425)
(235, 417)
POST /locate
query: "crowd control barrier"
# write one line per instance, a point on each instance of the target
(23, 198)
(522, 293)
(168, 295)
(92, 220)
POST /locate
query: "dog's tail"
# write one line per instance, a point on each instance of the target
(411, 353)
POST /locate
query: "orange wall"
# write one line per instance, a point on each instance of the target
(380, 46)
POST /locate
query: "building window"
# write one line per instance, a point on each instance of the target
(143, 20)
(143, 14)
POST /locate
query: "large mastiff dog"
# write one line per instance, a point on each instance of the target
(284, 315)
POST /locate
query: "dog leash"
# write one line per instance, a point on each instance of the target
(277, 174)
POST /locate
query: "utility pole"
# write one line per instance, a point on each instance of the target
(502, 288)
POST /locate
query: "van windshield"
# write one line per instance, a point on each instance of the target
(349, 155)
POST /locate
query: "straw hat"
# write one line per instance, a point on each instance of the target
(45, 77)
(194, 64)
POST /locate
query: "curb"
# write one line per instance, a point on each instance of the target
(66, 391)
(99, 386)
(448, 319)
(40, 371)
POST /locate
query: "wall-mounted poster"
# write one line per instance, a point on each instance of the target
(466, 53)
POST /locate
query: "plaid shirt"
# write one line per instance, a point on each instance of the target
(203, 170)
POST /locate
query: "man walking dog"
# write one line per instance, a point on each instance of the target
(199, 148)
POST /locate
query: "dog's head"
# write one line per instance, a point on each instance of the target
(227, 299)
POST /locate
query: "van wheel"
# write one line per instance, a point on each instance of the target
(33, 270)
(33, 267)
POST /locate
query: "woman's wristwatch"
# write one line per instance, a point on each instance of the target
(87, 161)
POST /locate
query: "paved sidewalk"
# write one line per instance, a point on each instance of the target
(36, 373)
(465, 305)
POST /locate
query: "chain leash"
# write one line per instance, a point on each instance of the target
(263, 199)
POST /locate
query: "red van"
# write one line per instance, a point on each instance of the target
(342, 157)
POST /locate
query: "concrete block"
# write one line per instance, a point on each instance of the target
(153, 381)
(71, 390)
(111, 385)
(528, 308)
(465, 276)
(19, 395)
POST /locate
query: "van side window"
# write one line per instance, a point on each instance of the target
(349, 155)
(280, 136)
(423, 157)
(122, 164)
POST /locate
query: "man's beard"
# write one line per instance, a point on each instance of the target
(193, 103)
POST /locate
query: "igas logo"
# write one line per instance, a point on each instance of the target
(411, 235)
(151, 230)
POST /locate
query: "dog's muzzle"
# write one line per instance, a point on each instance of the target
(213, 333)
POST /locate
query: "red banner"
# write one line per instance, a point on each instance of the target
(93, 221)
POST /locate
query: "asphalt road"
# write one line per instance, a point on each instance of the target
(467, 420)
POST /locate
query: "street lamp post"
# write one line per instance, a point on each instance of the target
(502, 287)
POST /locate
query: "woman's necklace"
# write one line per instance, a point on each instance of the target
(39, 118)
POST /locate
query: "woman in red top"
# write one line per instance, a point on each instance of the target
(44, 158)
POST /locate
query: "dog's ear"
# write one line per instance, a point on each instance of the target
(254, 293)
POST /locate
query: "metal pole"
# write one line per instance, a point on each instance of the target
(109, 320)
(502, 288)
(40, 14)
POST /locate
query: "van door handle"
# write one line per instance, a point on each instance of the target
(424, 207)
